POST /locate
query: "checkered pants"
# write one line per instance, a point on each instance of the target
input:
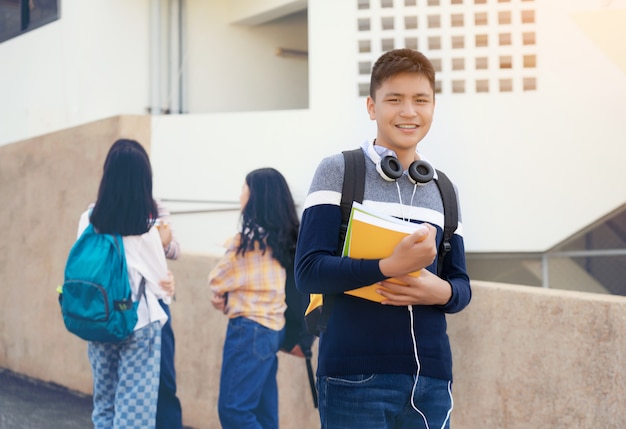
(126, 380)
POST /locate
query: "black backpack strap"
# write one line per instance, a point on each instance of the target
(352, 190)
(127, 304)
(309, 370)
(142, 289)
(450, 215)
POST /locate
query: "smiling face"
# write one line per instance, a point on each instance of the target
(403, 108)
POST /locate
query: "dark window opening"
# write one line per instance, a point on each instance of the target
(21, 16)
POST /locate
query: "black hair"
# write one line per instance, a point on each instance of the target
(125, 204)
(398, 61)
(269, 218)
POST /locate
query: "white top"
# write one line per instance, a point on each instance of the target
(144, 257)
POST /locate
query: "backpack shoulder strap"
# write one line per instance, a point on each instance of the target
(352, 190)
(353, 187)
(450, 214)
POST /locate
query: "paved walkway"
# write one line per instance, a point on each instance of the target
(30, 404)
(26, 403)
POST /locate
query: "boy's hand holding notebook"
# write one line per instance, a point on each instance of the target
(373, 235)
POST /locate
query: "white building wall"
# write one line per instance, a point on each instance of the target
(233, 67)
(90, 64)
(533, 167)
(96, 60)
(536, 167)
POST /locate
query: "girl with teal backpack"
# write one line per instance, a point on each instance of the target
(125, 365)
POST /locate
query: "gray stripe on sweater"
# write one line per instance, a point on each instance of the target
(329, 177)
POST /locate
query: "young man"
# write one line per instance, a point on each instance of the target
(385, 365)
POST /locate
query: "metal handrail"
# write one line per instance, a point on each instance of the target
(545, 272)
(235, 206)
(179, 212)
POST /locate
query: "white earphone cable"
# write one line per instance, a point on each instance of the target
(417, 361)
(417, 374)
(443, 425)
(411, 203)
(401, 204)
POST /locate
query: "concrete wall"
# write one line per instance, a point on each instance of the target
(200, 331)
(46, 183)
(539, 358)
(524, 357)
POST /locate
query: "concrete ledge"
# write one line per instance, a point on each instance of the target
(528, 357)
(46, 183)
(524, 357)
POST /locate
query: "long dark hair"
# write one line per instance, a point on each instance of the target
(269, 218)
(125, 205)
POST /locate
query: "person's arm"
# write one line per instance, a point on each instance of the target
(156, 267)
(452, 292)
(169, 284)
(219, 302)
(222, 277)
(455, 273)
(171, 246)
(145, 258)
(318, 269)
(414, 252)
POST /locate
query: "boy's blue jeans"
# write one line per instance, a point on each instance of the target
(383, 401)
(248, 388)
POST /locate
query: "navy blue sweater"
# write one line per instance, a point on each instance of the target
(365, 337)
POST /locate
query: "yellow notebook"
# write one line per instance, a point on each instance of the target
(372, 235)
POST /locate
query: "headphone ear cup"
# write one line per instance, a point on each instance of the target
(421, 172)
(389, 168)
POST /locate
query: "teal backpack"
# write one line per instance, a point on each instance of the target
(96, 297)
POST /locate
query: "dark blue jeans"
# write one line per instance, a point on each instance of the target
(384, 401)
(248, 388)
(169, 412)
